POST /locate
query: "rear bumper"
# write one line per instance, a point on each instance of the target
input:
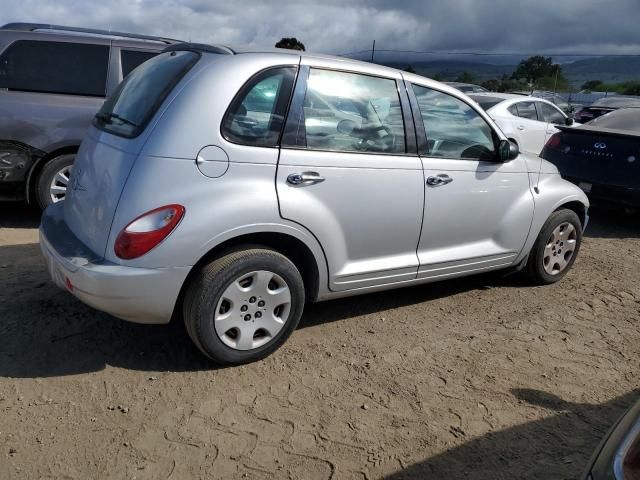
(140, 295)
(628, 196)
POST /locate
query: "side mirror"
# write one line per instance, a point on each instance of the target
(568, 121)
(507, 150)
(346, 126)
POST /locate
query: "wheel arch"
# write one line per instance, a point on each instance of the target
(312, 268)
(579, 208)
(38, 165)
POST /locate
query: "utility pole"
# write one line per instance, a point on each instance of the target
(373, 49)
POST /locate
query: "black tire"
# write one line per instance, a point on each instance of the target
(535, 263)
(46, 176)
(207, 286)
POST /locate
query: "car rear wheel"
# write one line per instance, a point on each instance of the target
(54, 180)
(243, 306)
(556, 247)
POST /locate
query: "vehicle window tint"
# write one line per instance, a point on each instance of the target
(551, 114)
(138, 97)
(623, 119)
(256, 116)
(486, 102)
(349, 112)
(454, 129)
(130, 59)
(527, 110)
(55, 67)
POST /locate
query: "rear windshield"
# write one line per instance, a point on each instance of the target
(128, 111)
(487, 102)
(624, 119)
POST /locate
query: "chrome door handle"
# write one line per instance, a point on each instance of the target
(440, 179)
(304, 178)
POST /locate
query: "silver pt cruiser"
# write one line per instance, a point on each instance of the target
(229, 187)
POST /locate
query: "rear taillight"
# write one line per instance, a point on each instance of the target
(554, 141)
(147, 231)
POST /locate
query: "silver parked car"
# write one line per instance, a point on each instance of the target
(230, 187)
(53, 80)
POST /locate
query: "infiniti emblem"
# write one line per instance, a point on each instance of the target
(601, 146)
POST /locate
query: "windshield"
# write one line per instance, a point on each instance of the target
(138, 97)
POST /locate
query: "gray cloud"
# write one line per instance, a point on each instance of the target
(334, 26)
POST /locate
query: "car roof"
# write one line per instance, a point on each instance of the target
(347, 63)
(461, 84)
(344, 61)
(497, 95)
(617, 101)
(75, 32)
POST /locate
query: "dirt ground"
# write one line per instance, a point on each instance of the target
(485, 377)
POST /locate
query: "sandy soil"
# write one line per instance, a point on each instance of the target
(485, 378)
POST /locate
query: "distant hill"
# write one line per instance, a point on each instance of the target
(607, 69)
(451, 69)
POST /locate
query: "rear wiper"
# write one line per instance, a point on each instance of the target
(108, 117)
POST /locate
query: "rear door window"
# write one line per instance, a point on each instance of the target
(130, 59)
(351, 112)
(256, 115)
(55, 67)
(527, 110)
(128, 111)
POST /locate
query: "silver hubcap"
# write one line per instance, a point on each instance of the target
(58, 187)
(252, 310)
(560, 248)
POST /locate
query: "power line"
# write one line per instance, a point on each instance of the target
(494, 54)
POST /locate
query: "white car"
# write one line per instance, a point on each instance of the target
(527, 121)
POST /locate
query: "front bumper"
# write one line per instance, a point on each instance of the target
(141, 295)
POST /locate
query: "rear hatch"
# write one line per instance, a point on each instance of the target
(596, 156)
(110, 149)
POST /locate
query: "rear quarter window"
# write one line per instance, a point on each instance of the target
(128, 111)
(130, 59)
(55, 67)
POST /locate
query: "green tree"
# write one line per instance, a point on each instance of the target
(631, 88)
(541, 72)
(290, 42)
(492, 85)
(410, 69)
(592, 85)
(507, 84)
(466, 77)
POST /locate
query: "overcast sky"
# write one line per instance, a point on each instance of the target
(338, 26)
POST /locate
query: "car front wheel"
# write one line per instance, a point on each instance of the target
(556, 247)
(243, 306)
